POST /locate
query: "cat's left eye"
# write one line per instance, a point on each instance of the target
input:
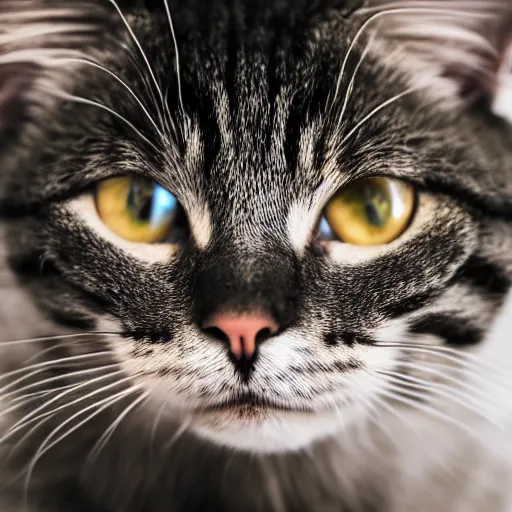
(137, 209)
(370, 211)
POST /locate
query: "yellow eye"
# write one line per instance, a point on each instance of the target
(371, 211)
(136, 209)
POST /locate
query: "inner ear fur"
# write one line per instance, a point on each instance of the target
(466, 44)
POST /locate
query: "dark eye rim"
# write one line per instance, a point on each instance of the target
(132, 175)
(417, 192)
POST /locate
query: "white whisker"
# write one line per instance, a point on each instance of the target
(35, 30)
(376, 110)
(124, 84)
(432, 390)
(88, 371)
(449, 33)
(390, 12)
(435, 369)
(45, 365)
(352, 80)
(447, 354)
(20, 402)
(39, 355)
(156, 422)
(34, 417)
(46, 446)
(430, 411)
(176, 53)
(103, 440)
(471, 5)
(181, 430)
(57, 337)
(396, 393)
(139, 47)
(85, 101)
(380, 402)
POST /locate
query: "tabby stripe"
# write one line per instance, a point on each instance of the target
(485, 275)
(454, 331)
(348, 338)
(410, 304)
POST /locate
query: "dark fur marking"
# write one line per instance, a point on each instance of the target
(332, 339)
(454, 331)
(410, 304)
(485, 275)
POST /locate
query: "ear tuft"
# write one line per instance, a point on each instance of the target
(502, 104)
(14, 85)
(464, 43)
(38, 39)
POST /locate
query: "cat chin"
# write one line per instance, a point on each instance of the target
(266, 431)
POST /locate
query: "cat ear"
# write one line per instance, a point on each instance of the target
(465, 44)
(12, 86)
(40, 43)
(502, 101)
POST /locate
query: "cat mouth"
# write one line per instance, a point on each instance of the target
(251, 402)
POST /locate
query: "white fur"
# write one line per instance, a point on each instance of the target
(503, 97)
(434, 36)
(301, 221)
(338, 400)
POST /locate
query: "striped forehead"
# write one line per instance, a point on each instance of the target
(253, 164)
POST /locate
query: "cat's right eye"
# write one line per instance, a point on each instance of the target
(138, 209)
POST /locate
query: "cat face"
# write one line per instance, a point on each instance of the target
(328, 222)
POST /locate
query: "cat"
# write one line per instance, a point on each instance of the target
(254, 256)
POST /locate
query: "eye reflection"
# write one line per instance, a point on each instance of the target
(325, 230)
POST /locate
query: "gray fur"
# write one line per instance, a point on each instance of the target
(253, 115)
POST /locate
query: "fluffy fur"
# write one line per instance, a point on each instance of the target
(388, 386)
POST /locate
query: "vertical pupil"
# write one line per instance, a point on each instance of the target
(376, 205)
(140, 200)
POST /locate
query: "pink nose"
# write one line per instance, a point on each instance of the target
(242, 331)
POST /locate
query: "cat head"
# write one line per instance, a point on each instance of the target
(289, 214)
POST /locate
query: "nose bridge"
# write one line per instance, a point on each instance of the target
(244, 280)
(249, 205)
